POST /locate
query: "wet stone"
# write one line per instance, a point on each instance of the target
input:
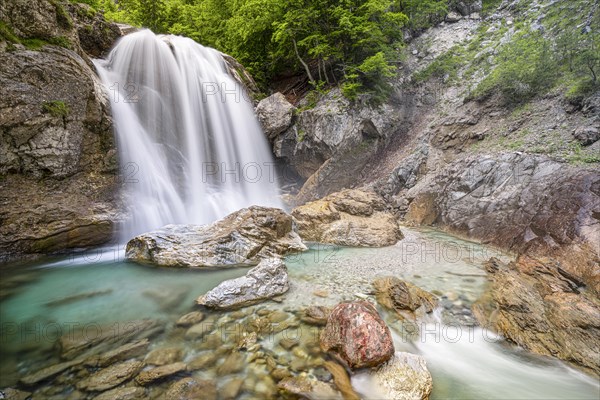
(202, 361)
(231, 389)
(189, 319)
(123, 393)
(233, 363)
(110, 377)
(191, 389)
(164, 356)
(152, 375)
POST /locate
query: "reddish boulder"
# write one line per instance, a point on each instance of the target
(356, 334)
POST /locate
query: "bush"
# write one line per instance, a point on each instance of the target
(526, 68)
(56, 108)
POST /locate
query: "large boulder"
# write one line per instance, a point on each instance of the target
(521, 202)
(406, 299)
(268, 279)
(349, 218)
(404, 377)
(357, 336)
(243, 238)
(543, 308)
(275, 114)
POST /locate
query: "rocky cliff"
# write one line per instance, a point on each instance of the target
(58, 166)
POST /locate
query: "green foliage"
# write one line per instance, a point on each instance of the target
(7, 34)
(56, 108)
(445, 67)
(423, 13)
(526, 67)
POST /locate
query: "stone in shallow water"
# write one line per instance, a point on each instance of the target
(155, 374)
(189, 319)
(233, 363)
(123, 393)
(14, 394)
(342, 380)
(110, 377)
(403, 297)
(404, 377)
(192, 389)
(202, 361)
(127, 351)
(231, 389)
(163, 356)
(243, 238)
(308, 388)
(96, 339)
(316, 315)
(266, 280)
(356, 334)
(48, 372)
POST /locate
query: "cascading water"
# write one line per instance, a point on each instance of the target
(190, 146)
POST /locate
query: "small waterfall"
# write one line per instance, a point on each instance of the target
(190, 146)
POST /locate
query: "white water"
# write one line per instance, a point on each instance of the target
(190, 146)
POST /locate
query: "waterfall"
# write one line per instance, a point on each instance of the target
(190, 147)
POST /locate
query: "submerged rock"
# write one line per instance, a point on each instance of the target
(342, 380)
(316, 315)
(356, 334)
(121, 353)
(14, 394)
(404, 377)
(308, 388)
(349, 218)
(403, 297)
(189, 319)
(192, 389)
(242, 238)
(268, 279)
(155, 374)
(80, 341)
(540, 306)
(123, 393)
(48, 372)
(110, 377)
(163, 356)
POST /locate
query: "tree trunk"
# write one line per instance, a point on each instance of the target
(305, 65)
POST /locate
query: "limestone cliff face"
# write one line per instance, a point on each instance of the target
(57, 159)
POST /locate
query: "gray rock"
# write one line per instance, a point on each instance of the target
(453, 17)
(242, 238)
(110, 377)
(468, 7)
(56, 125)
(587, 135)
(275, 114)
(404, 377)
(268, 279)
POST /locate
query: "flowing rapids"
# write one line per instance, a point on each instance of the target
(190, 146)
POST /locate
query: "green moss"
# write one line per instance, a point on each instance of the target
(7, 34)
(60, 41)
(301, 135)
(56, 108)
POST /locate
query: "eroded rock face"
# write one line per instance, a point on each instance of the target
(521, 202)
(404, 377)
(540, 306)
(242, 238)
(403, 297)
(56, 140)
(268, 279)
(329, 144)
(275, 114)
(349, 218)
(356, 334)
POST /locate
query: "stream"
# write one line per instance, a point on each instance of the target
(43, 300)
